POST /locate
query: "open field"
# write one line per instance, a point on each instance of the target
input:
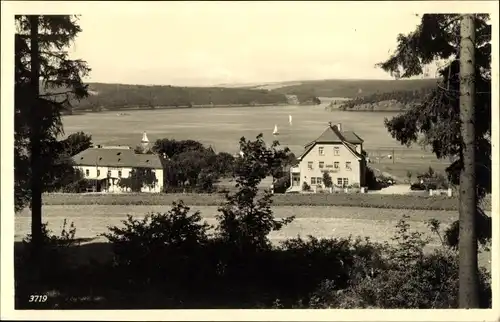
(223, 127)
(331, 221)
(328, 222)
(314, 200)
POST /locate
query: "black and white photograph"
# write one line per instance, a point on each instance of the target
(250, 156)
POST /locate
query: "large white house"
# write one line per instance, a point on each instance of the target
(106, 165)
(338, 152)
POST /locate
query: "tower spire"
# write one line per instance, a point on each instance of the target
(144, 138)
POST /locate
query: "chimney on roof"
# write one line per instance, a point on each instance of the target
(330, 124)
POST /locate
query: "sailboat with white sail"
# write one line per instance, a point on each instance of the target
(290, 119)
(275, 131)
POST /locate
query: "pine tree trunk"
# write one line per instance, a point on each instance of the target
(35, 138)
(468, 271)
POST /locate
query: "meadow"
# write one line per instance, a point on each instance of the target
(320, 221)
(415, 201)
(222, 128)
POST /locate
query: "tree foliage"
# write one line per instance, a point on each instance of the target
(138, 179)
(61, 83)
(406, 98)
(307, 90)
(327, 180)
(437, 119)
(169, 147)
(246, 219)
(119, 96)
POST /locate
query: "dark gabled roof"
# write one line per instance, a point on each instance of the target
(117, 158)
(332, 135)
(352, 137)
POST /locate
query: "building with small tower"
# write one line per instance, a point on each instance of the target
(103, 166)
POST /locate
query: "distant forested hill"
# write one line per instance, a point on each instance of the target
(395, 100)
(120, 96)
(352, 88)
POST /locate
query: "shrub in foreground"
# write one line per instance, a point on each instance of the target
(34, 276)
(408, 279)
(160, 248)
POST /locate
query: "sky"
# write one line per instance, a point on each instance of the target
(209, 43)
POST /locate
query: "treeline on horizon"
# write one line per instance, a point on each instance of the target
(122, 96)
(118, 96)
(406, 98)
(354, 88)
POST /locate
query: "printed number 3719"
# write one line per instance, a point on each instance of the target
(38, 298)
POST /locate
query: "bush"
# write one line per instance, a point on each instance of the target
(418, 187)
(160, 248)
(48, 270)
(282, 184)
(374, 182)
(316, 260)
(483, 231)
(408, 278)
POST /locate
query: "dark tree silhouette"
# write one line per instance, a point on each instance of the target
(45, 82)
(438, 117)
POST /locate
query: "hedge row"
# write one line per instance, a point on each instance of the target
(340, 199)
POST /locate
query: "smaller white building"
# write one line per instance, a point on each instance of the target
(104, 166)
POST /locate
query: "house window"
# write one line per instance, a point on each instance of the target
(348, 165)
(336, 165)
(346, 182)
(321, 150)
(119, 173)
(98, 172)
(109, 173)
(339, 181)
(336, 150)
(310, 165)
(87, 172)
(313, 180)
(319, 180)
(321, 164)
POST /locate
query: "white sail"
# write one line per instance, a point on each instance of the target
(275, 132)
(290, 119)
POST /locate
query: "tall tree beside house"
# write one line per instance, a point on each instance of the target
(246, 219)
(438, 117)
(139, 178)
(76, 143)
(327, 180)
(62, 174)
(170, 147)
(46, 82)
